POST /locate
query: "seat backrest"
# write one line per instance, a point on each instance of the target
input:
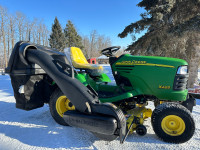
(79, 61)
(77, 57)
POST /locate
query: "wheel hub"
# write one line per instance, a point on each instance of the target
(173, 125)
(63, 104)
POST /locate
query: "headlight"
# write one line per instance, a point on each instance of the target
(182, 70)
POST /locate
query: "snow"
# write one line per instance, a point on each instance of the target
(102, 57)
(36, 130)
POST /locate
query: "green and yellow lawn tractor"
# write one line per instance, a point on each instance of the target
(82, 95)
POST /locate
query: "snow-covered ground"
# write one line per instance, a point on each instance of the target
(36, 129)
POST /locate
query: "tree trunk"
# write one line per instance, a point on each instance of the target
(13, 41)
(8, 48)
(8, 40)
(193, 68)
(193, 73)
(4, 42)
(4, 46)
(2, 64)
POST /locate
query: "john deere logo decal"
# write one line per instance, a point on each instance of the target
(142, 63)
(131, 62)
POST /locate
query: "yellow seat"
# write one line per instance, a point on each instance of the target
(79, 61)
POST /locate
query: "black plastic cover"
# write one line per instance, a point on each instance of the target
(95, 123)
(31, 77)
(36, 91)
(180, 82)
(18, 65)
(190, 102)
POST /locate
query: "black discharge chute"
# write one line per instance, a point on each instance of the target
(33, 68)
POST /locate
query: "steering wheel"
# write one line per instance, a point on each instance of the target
(110, 50)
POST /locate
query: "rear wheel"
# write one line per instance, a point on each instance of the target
(58, 105)
(173, 123)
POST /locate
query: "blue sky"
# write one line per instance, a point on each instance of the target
(108, 17)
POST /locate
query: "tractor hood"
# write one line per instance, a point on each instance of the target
(162, 77)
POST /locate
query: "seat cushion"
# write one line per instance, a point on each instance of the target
(79, 61)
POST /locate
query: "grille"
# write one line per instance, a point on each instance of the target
(180, 82)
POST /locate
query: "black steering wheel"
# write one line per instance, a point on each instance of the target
(110, 50)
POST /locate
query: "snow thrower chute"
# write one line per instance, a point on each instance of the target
(30, 64)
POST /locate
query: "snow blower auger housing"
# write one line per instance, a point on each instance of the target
(79, 94)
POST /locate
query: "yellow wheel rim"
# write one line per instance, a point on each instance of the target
(173, 125)
(63, 104)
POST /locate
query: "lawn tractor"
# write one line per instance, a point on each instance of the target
(80, 94)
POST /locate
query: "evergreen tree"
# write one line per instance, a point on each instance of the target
(173, 30)
(57, 38)
(71, 36)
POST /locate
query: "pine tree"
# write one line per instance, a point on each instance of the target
(71, 36)
(57, 38)
(173, 30)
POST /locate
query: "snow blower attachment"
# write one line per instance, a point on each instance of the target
(33, 68)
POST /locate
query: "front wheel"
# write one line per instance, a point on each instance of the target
(173, 123)
(58, 105)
